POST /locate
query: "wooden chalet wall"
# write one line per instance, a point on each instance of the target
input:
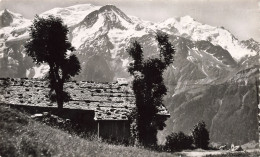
(114, 130)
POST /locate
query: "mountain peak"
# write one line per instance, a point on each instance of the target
(112, 8)
(182, 20)
(108, 7)
(252, 40)
(251, 44)
(109, 16)
(5, 10)
(6, 18)
(9, 18)
(187, 19)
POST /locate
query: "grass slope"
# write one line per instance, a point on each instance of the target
(22, 136)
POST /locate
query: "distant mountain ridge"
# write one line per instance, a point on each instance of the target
(211, 79)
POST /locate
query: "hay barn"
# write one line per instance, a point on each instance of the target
(100, 108)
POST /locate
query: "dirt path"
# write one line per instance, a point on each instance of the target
(200, 153)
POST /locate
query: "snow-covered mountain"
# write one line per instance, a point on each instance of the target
(211, 79)
(72, 15)
(13, 26)
(188, 27)
(13, 34)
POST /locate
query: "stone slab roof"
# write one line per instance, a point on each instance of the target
(109, 101)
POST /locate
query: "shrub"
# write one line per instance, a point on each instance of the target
(200, 135)
(178, 141)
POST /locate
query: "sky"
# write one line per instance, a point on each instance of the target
(240, 17)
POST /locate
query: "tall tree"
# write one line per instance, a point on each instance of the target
(49, 44)
(149, 89)
(200, 135)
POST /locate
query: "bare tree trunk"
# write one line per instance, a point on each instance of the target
(59, 94)
(57, 84)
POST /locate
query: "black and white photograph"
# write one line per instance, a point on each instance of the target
(129, 78)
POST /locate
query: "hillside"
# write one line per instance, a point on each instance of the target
(211, 79)
(37, 139)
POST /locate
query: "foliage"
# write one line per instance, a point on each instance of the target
(178, 141)
(149, 89)
(133, 127)
(200, 135)
(49, 44)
